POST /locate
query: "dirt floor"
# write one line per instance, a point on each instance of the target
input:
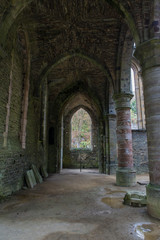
(76, 206)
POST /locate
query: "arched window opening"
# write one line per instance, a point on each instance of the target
(137, 102)
(81, 130)
(134, 124)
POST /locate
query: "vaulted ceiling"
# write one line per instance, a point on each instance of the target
(93, 30)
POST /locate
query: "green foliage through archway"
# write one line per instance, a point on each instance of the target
(81, 130)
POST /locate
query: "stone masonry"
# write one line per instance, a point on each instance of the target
(59, 56)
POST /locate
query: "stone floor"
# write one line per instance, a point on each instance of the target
(76, 205)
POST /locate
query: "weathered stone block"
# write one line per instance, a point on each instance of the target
(37, 174)
(136, 199)
(30, 179)
(44, 172)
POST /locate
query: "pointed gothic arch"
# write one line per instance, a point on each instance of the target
(81, 130)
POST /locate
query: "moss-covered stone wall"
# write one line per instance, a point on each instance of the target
(14, 160)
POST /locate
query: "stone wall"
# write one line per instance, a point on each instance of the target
(4, 80)
(14, 161)
(140, 152)
(81, 158)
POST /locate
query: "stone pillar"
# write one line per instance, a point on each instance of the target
(149, 55)
(125, 174)
(111, 143)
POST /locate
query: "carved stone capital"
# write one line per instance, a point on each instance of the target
(122, 100)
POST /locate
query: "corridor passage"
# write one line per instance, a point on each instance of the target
(76, 205)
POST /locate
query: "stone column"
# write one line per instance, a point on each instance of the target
(111, 142)
(149, 55)
(125, 174)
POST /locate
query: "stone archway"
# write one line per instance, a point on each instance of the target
(78, 99)
(81, 157)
